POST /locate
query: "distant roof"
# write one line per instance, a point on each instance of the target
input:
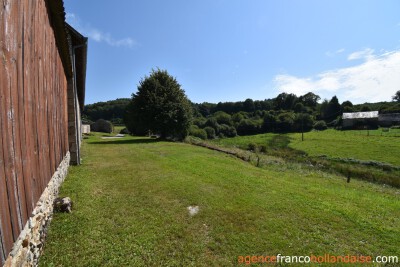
(361, 115)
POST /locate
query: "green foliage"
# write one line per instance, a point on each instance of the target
(212, 122)
(333, 109)
(102, 126)
(248, 127)
(124, 131)
(252, 147)
(369, 156)
(237, 117)
(310, 100)
(320, 125)
(269, 122)
(144, 188)
(396, 97)
(347, 106)
(285, 122)
(113, 109)
(299, 107)
(223, 118)
(197, 132)
(365, 108)
(160, 106)
(391, 109)
(248, 105)
(303, 122)
(210, 132)
(200, 121)
(86, 120)
(227, 131)
(285, 101)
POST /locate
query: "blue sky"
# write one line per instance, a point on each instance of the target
(230, 50)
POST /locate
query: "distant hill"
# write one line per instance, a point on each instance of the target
(112, 110)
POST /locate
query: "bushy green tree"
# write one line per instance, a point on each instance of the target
(303, 122)
(227, 131)
(333, 110)
(396, 97)
(223, 118)
(365, 108)
(285, 122)
(285, 101)
(102, 126)
(310, 100)
(160, 106)
(320, 125)
(269, 123)
(347, 106)
(210, 132)
(197, 132)
(248, 127)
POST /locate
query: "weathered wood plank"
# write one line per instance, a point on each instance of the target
(8, 85)
(33, 112)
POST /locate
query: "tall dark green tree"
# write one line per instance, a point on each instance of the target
(396, 97)
(285, 101)
(310, 100)
(333, 110)
(160, 106)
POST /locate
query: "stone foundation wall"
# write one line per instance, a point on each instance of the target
(29, 245)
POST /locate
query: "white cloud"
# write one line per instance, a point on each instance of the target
(97, 35)
(376, 79)
(367, 53)
(332, 54)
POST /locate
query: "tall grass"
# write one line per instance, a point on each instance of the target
(372, 158)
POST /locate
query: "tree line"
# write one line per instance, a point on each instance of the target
(161, 106)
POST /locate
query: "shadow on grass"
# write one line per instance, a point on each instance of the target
(125, 141)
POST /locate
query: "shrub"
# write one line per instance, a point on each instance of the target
(124, 131)
(320, 125)
(248, 127)
(228, 131)
(263, 149)
(223, 118)
(252, 147)
(285, 122)
(269, 122)
(303, 122)
(210, 132)
(102, 126)
(200, 121)
(212, 122)
(195, 131)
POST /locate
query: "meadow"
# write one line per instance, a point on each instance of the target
(367, 155)
(377, 145)
(131, 197)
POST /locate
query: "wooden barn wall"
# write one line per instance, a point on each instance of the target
(33, 112)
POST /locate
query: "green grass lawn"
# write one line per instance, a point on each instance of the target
(350, 144)
(333, 143)
(131, 197)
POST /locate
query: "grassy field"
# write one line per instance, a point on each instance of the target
(371, 156)
(350, 144)
(343, 144)
(131, 197)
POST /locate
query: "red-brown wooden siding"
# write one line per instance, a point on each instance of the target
(33, 112)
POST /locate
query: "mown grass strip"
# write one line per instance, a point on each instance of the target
(131, 197)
